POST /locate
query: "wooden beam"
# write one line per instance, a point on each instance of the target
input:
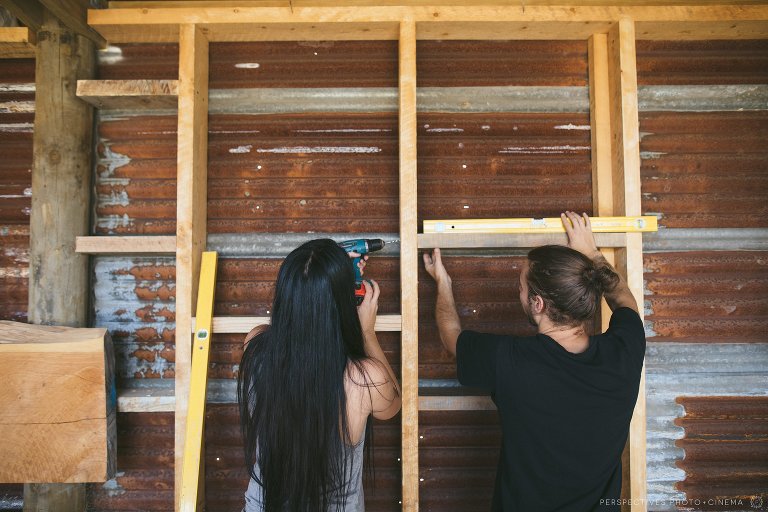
(61, 176)
(17, 43)
(477, 22)
(244, 324)
(125, 245)
(192, 155)
(29, 12)
(409, 269)
(625, 151)
(146, 400)
(515, 240)
(130, 94)
(456, 403)
(600, 124)
(74, 14)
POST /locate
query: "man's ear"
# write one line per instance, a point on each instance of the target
(537, 304)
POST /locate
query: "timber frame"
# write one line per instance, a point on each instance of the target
(611, 32)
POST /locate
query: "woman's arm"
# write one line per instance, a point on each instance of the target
(384, 389)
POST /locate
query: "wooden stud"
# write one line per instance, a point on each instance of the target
(409, 270)
(244, 324)
(190, 212)
(625, 150)
(61, 177)
(456, 403)
(129, 94)
(125, 245)
(600, 121)
(519, 240)
(17, 43)
(470, 21)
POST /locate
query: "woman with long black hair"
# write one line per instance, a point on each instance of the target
(309, 384)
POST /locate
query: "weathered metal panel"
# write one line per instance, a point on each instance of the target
(707, 296)
(139, 61)
(726, 451)
(503, 165)
(144, 480)
(674, 370)
(17, 113)
(458, 455)
(705, 170)
(702, 62)
(134, 298)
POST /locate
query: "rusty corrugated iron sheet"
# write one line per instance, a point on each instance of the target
(458, 455)
(726, 452)
(134, 298)
(139, 61)
(705, 170)
(144, 480)
(339, 173)
(374, 63)
(707, 296)
(503, 165)
(17, 114)
(702, 62)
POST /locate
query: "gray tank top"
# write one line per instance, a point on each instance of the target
(254, 497)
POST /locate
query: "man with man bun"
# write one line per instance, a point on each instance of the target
(564, 398)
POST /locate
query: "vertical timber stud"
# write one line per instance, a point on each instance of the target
(191, 196)
(600, 120)
(61, 191)
(625, 144)
(409, 270)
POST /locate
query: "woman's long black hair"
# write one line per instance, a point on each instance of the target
(291, 382)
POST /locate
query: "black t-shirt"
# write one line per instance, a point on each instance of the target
(564, 417)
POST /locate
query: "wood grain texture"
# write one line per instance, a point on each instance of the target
(409, 277)
(625, 151)
(471, 21)
(17, 43)
(190, 212)
(57, 409)
(125, 244)
(129, 94)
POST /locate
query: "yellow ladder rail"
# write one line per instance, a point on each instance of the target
(639, 224)
(193, 441)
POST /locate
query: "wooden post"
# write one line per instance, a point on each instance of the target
(409, 270)
(600, 121)
(61, 191)
(191, 194)
(625, 145)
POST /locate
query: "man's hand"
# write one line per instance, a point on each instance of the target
(580, 237)
(434, 265)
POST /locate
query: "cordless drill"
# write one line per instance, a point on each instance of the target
(361, 246)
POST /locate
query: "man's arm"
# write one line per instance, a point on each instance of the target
(580, 238)
(448, 323)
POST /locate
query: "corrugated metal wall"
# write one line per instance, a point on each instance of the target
(330, 166)
(17, 114)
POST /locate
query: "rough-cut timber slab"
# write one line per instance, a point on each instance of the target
(57, 404)
(129, 94)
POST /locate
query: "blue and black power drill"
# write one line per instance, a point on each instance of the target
(362, 246)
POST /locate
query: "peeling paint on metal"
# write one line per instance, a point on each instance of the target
(321, 149)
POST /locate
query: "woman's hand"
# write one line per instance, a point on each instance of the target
(360, 264)
(368, 309)
(580, 237)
